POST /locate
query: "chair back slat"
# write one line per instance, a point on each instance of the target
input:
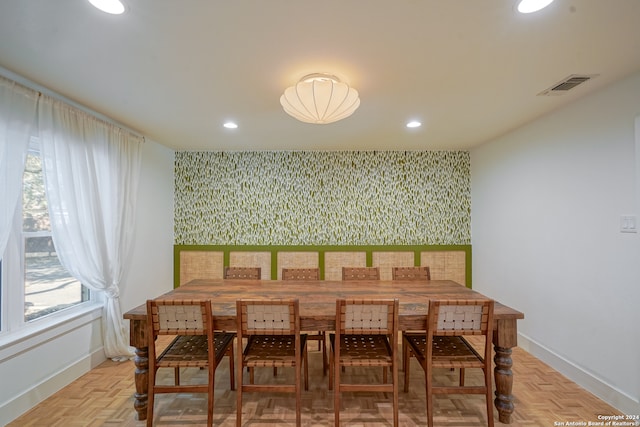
(411, 273)
(460, 317)
(372, 317)
(242, 273)
(300, 274)
(179, 317)
(360, 273)
(268, 317)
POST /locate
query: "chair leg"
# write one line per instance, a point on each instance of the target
(336, 394)
(232, 370)
(176, 376)
(331, 363)
(324, 355)
(150, 397)
(429, 379)
(488, 385)
(305, 362)
(405, 351)
(212, 376)
(298, 375)
(406, 363)
(239, 401)
(394, 376)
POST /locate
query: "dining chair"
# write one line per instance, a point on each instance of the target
(411, 273)
(367, 336)
(195, 345)
(272, 332)
(360, 273)
(444, 346)
(243, 273)
(310, 274)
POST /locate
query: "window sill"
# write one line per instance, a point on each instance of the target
(42, 330)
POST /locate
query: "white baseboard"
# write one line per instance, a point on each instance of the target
(17, 406)
(610, 394)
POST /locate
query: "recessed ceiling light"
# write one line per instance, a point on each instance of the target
(529, 6)
(230, 125)
(414, 124)
(114, 7)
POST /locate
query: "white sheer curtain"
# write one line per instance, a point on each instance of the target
(18, 106)
(91, 171)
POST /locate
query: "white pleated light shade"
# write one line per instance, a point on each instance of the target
(320, 100)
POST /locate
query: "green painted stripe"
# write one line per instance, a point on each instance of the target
(321, 249)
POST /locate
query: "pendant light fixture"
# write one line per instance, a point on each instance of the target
(114, 7)
(320, 98)
(529, 6)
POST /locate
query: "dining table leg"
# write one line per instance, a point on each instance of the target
(138, 339)
(504, 339)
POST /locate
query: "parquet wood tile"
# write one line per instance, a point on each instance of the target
(104, 397)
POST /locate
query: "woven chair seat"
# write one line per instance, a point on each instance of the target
(364, 350)
(448, 352)
(190, 351)
(272, 350)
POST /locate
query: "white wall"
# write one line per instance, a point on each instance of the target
(35, 367)
(151, 272)
(546, 206)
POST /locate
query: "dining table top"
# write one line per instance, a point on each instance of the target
(317, 299)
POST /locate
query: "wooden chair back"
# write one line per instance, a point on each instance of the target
(242, 273)
(300, 274)
(187, 317)
(411, 273)
(370, 317)
(268, 317)
(360, 273)
(460, 317)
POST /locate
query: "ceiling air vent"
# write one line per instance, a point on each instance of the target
(566, 84)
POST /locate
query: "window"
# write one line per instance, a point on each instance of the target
(38, 285)
(48, 285)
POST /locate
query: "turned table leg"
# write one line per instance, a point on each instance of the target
(504, 339)
(138, 339)
(504, 383)
(141, 361)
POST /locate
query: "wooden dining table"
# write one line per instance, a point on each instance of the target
(317, 312)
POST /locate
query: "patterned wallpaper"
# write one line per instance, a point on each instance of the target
(322, 198)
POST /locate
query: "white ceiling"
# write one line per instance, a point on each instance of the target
(175, 70)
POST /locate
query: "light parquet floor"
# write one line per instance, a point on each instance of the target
(104, 397)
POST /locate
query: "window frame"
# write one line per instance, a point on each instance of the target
(13, 323)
